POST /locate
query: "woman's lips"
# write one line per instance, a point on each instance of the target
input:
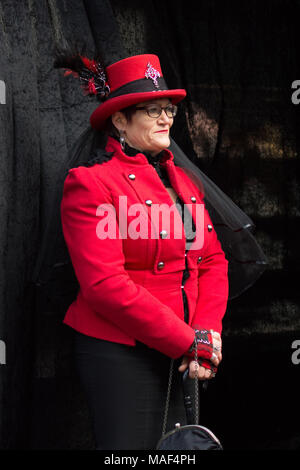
(163, 131)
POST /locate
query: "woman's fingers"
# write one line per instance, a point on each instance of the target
(194, 368)
(217, 348)
(202, 372)
(184, 364)
(215, 359)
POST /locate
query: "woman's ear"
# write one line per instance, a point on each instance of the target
(119, 121)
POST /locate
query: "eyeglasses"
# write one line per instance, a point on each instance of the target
(154, 110)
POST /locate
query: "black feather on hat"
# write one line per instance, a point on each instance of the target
(89, 71)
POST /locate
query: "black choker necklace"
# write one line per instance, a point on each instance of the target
(131, 152)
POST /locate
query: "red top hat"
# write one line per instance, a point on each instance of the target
(133, 80)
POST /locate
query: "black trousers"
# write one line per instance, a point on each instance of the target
(126, 389)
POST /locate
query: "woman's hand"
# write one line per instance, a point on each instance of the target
(204, 373)
(217, 347)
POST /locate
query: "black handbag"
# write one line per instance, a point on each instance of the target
(190, 436)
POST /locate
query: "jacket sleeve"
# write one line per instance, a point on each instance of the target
(212, 283)
(99, 265)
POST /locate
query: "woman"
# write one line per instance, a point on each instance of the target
(151, 288)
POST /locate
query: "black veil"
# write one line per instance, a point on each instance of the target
(54, 275)
(234, 228)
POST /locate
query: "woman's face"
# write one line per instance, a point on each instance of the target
(143, 132)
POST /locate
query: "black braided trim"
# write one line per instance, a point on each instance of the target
(99, 156)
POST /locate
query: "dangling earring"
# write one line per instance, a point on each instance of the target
(122, 140)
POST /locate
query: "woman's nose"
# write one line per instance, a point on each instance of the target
(164, 117)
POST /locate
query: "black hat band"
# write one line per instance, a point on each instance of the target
(142, 85)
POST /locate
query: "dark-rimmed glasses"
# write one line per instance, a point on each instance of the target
(155, 110)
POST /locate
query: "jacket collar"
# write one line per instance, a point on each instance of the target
(113, 145)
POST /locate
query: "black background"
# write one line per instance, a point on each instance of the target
(237, 61)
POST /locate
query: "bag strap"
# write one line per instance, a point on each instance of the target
(164, 428)
(196, 396)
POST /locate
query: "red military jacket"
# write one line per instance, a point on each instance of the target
(130, 286)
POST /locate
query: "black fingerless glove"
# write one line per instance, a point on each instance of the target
(203, 344)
